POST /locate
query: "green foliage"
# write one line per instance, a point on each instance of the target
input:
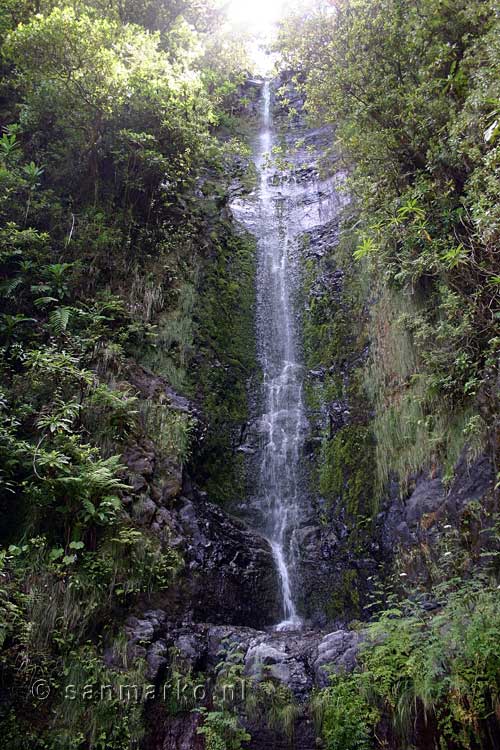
(110, 112)
(412, 428)
(273, 704)
(94, 697)
(442, 667)
(344, 715)
(172, 430)
(222, 731)
(410, 92)
(415, 118)
(429, 671)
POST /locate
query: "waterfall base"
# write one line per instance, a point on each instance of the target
(292, 625)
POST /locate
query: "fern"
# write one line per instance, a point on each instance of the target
(59, 319)
(8, 287)
(101, 476)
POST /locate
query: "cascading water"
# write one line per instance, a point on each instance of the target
(283, 420)
(281, 210)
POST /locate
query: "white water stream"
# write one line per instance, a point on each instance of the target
(283, 421)
(279, 212)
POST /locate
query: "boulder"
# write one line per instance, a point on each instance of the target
(264, 661)
(337, 652)
(139, 630)
(144, 510)
(140, 460)
(472, 482)
(228, 568)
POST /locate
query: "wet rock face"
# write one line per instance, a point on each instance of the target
(335, 567)
(180, 732)
(320, 241)
(228, 590)
(329, 558)
(173, 732)
(430, 501)
(228, 568)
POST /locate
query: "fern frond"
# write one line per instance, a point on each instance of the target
(59, 319)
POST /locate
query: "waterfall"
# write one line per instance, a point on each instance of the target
(277, 214)
(283, 420)
(283, 415)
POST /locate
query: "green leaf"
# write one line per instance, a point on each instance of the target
(367, 247)
(42, 301)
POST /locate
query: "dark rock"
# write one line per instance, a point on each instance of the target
(318, 374)
(156, 617)
(175, 732)
(171, 485)
(269, 738)
(166, 525)
(399, 523)
(155, 388)
(144, 510)
(319, 241)
(140, 459)
(338, 415)
(191, 647)
(156, 658)
(246, 449)
(428, 497)
(472, 481)
(230, 567)
(261, 656)
(297, 660)
(279, 661)
(139, 631)
(307, 539)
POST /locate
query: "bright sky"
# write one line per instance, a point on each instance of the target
(259, 17)
(256, 15)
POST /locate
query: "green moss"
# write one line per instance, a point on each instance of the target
(333, 340)
(227, 360)
(344, 596)
(346, 468)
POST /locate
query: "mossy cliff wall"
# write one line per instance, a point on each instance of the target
(377, 437)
